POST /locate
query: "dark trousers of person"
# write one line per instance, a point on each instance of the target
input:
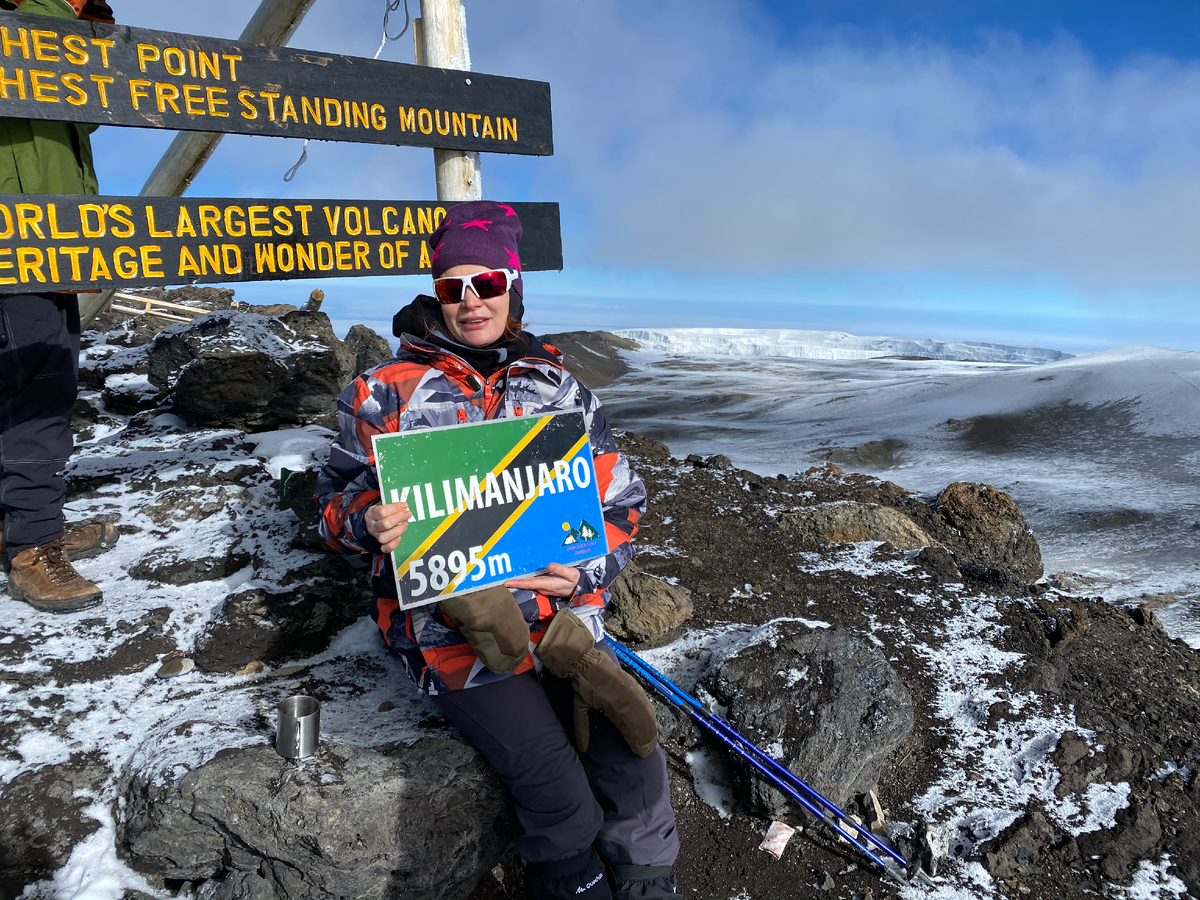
(567, 802)
(39, 360)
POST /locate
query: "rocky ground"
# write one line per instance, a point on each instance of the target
(1019, 740)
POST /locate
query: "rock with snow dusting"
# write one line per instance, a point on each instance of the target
(871, 455)
(425, 821)
(251, 371)
(644, 608)
(312, 604)
(172, 565)
(849, 521)
(823, 700)
(43, 814)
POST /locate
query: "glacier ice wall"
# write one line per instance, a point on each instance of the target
(827, 345)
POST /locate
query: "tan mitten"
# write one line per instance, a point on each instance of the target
(568, 650)
(492, 623)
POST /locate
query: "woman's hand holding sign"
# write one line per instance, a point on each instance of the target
(387, 523)
(560, 581)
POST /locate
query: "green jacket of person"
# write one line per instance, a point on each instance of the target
(42, 157)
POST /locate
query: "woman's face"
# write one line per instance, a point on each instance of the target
(474, 322)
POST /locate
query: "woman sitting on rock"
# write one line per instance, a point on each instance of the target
(604, 800)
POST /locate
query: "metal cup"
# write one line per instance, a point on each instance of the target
(299, 727)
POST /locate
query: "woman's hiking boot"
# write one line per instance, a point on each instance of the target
(45, 579)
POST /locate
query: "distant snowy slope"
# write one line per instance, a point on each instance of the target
(826, 345)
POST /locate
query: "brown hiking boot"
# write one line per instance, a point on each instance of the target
(81, 540)
(45, 579)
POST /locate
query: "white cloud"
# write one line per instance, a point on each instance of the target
(684, 135)
(694, 139)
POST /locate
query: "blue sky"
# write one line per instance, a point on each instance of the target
(1009, 171)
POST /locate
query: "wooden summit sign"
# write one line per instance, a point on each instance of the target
(76, 242)
(77, 71)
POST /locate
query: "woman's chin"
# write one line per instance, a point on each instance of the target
(477, 337)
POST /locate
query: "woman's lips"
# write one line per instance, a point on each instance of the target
(472, 322)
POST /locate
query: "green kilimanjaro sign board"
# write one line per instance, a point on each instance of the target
(490, 501)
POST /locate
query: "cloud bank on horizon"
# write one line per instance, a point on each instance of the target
(693, 134)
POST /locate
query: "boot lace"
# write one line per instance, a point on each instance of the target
(58, 568)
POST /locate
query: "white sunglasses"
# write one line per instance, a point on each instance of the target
(486, 285)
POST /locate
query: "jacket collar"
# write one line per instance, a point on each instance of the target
(541, 356)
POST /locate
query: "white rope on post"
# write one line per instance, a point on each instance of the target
(389, 7)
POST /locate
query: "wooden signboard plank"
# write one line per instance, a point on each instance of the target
(80, 71)
(76, 242)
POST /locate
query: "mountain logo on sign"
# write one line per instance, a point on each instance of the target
(584, 532)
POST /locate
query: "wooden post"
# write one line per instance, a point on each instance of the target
(273, 23)
(440, 36)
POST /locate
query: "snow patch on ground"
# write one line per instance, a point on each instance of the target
(1151, 881)
(858, 558)
(1012, 756)
(710, 776)
(93, 872)
(972, 882)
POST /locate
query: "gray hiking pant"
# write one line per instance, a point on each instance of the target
(567, 800)
(39, 359)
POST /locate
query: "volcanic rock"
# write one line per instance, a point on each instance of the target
(849, 521)
(871, 455)
(253, 372)
(1021, 846)
(826, 698)
(644, 607)
(1137, 830)
(592, 356)
(288, 624)
(718, 461)
(939, 563)
(369, 349)
(298, 496)
(271, 309)
(171, 565)
(43, 816)
(425, 821)
(985, 527)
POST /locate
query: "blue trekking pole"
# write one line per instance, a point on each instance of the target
(779, 776)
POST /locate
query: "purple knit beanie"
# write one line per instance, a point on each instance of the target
(480, 233)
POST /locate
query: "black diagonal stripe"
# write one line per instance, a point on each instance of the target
(551, 443)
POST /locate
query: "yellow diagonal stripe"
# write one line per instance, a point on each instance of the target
(452, 517)
(510, 521)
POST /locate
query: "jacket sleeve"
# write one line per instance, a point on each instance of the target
(623, 498)
(347, 486)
